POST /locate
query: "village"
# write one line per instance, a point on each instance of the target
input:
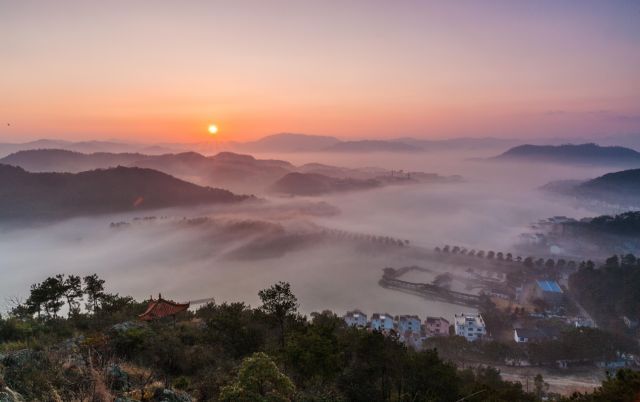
(522, 304)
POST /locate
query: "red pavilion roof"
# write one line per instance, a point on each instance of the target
(161, 308)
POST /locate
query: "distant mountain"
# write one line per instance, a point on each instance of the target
(624, 184)
(590, 154)
(37, 196)
(625, 140)
(226, 169)
(459, 143)
(58, 160)
(619, 188)
(311, 184)
(237, 172)
(85, 147)
(288, 142)
(372, 146)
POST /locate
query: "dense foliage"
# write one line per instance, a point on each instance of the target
(611, 291)
(226, 351)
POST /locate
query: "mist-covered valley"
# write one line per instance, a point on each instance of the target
(324, 245)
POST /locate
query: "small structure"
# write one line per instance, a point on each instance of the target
(408, 323)
(436, 326)
(549, 291)
(355, 318)
(382, 322)
(161, 308)
(581, 322)
(526, 335)
(470, 326)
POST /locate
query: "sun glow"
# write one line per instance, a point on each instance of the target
(213, 129)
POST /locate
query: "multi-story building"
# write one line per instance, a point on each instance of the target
(382, 322)
(470, 326)
(355, 318)
(436, 326)
(409, 323)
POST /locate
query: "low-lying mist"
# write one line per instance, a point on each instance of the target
(238, 250)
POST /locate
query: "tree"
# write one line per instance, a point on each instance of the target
(280, 303)
(629, 260)
(94, 288)
(540, 387)
(612, 262)
(73, 292)
(259, 380)
(53, 288)
(46, 296)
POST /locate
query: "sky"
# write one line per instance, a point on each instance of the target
(164, 70)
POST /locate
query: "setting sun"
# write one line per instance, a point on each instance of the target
(213, 129)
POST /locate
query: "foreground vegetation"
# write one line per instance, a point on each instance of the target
(228, 352)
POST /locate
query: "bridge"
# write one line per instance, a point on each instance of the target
(389, 280)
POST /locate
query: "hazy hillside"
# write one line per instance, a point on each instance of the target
(242, 173)
(459, 143)
(372, 146)
(590, 154)
(616, 188)
(85, 147)
(25, 195)
(310, 184)
(287, 142)
(59, 160)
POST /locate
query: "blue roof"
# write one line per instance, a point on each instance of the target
(549, 286)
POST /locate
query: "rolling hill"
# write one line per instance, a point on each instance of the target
(312, 184)
(615, 188)
(37, 196)
(589, 154)
(288, 142)
(372, 146)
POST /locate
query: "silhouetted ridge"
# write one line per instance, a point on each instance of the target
(56, 195)
(570, 153)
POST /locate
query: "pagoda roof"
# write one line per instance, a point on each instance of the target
(160, 308)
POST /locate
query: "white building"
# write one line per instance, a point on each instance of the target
(470, 326)
(408, 323)
(355, 318)
(382, 322)
(526, 335)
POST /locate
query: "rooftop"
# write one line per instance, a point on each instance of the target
(549, 286)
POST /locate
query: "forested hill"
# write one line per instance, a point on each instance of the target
(25, 195)
(591, 154)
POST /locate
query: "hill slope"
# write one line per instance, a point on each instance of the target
(619, 188)
(61, 160)
(310, 184)
(591, 154)
(288, 142)
(372, 146)
(25, 195)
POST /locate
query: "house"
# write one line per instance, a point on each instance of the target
(526, 335)
(470, 326)
(410, 323)
(549, 291)
(355, 318)
(382, 322)
(436, 326)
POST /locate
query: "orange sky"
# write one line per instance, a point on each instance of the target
(163, 70)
